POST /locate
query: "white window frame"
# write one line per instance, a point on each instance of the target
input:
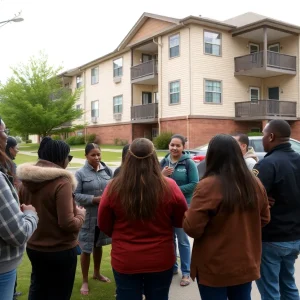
(78, 81)
(256, 45)
(220, 46)
(274, 45)
(170, 37)
(257, 89)
(95, 76)
(221, 93)
(118, 105)
(173, 93)
(118, 71)
(93, 110)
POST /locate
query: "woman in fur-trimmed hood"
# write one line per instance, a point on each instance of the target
(52, 248)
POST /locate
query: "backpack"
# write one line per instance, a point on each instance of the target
(186, 163)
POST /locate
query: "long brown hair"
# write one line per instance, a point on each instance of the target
(224, 159)
(140, 185)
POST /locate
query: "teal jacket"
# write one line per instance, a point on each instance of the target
(186, 181)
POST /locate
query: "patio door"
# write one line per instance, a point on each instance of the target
(254, 94)
(146, 97)
(273, 105)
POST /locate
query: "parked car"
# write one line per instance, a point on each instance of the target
(198, 154)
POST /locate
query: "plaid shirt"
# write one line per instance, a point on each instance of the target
(16, 227)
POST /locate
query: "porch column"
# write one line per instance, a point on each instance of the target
(265, 54)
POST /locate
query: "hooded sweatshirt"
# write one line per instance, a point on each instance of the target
(186, 181)
(49, 188)
(250, 158)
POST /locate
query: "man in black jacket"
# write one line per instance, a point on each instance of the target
(279, 172)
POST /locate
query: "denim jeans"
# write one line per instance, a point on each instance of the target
(236, 292)
(52, 275)
(7, 283)
(277, 270)
(184, 251)
(155, 286)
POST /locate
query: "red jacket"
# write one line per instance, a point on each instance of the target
(142, 247)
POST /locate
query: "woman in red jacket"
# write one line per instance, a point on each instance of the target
(139, 209)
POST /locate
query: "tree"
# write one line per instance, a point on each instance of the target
(33, 101)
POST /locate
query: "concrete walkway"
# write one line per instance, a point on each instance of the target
(191, 292)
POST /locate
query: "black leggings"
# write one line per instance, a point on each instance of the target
(52, 275)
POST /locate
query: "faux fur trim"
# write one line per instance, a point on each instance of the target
(31, 172)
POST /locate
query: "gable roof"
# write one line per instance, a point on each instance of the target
(245, 19)
(141, 21)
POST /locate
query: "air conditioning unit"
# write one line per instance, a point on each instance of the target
(117, 117)
(117, 79)
(94, 119)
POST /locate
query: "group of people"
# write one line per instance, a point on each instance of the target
(243, 215)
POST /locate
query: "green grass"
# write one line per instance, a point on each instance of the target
(22, 158)
(98, 290)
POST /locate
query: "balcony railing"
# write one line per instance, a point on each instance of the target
(144, 112)
(265, 108)
(256, 60)
(145, 69)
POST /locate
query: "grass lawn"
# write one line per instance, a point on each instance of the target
(98, 290)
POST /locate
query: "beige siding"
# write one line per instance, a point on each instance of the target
(80, 101)
(150, 28)
(171, 70)
(139, 88)
(106, 89)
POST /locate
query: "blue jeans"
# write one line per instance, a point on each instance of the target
(184, 251)
(277, 270)
(236, 292)
(155, 286)
(7, 284)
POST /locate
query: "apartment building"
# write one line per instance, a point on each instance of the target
(194, 76)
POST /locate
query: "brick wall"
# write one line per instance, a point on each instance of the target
(107, 134)
(202, 130)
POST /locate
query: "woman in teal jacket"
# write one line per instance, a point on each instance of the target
(179, 166)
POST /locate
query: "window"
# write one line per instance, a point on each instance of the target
(274, 47)
(78, 82)
(146, 97)
(95, 108)
(78, 107)
(174, 88)
(146, 57)
(174, 45)
(213, 92)
(118, 67)
(254, 48)
(94, 75)
(118, 104)
(212, 43)
(254, 94)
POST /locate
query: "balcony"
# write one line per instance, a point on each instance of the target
(253, 64)
(145, 73)
(265, 110)
(146, 113)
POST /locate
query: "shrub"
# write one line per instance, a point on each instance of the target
(56, 137)
(254, 133)
(79, 140)
(162, 141)
(71, 140)
(123, 142)
(91, 138)
(28, 141)
(116, 141)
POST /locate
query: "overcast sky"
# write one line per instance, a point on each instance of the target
(73, 32)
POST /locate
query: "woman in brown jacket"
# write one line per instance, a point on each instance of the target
(228, 209)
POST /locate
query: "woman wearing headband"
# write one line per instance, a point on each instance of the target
(139, 209)
(92, 180)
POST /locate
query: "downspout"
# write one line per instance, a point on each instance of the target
(159, 115)
(190, 86)
(84, 104)
(132, 131)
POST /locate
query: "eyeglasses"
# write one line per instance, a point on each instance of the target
(6, 131)
(70, 157)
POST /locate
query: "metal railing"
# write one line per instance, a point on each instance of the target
(146, 111)
(265, 108)
(144, 69)
(256, 60)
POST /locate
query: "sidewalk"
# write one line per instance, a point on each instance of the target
(191, 292)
